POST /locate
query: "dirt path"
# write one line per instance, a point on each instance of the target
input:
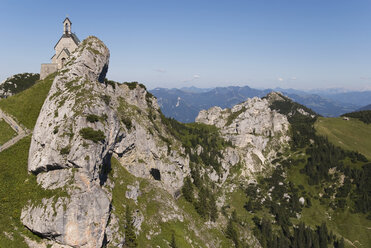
(21, 132)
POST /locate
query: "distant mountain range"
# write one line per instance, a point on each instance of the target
(184, 104)
(368, 107)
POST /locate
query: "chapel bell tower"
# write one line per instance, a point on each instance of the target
(67, 26)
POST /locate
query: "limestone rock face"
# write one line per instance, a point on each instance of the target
(253, 128)
(66, 159)
(141, 149)
(75, 93)
(140, 152)
(83, 122)
(78, 221)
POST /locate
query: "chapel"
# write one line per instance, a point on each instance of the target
(63, 49)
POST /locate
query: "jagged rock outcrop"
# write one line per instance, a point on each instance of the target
(74, 95)
(83, 121)
(140, 152)
(65, 157)
(256, 131)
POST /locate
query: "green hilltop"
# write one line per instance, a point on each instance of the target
(352, 134)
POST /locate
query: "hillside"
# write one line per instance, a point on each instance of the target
(367, 107)
(17, 83)
(351, 135)
(104, 167)
(25, 106)
(363, 115)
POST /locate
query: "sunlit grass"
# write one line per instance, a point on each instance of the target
(6, 132)
(352, 135)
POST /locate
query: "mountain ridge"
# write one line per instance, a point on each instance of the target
(184, 106)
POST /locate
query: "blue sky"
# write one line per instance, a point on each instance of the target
(300, 44)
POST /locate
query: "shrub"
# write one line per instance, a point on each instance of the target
(92, 118)
(131, 85)
(91, 134)
(127, 122)
(65, 150)
(234, 115)
(110, 82)
(106, 99)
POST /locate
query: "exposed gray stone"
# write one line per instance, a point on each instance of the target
(114, 237)
(251, 132)
(80, 219)
(138, 218)
(133, 192)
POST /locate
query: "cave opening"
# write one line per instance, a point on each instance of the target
(156, 174)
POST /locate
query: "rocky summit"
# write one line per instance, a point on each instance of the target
(61, 157)
(256, 132)
(78, 129)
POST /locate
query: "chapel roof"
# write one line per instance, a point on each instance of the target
(72, 35)
(67, 19)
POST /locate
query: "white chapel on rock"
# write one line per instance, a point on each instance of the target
(63, 49)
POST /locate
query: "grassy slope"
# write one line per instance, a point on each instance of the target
(17, 187)
(26, 106)
(352, 135)
(353, 227)
(6, 132)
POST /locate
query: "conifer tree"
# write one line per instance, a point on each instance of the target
(202, 205)
(339, 243)
(213, 208)
(130, 237)
(323, 235)
(234, 216)
(196, 175)
(231, 233)
(173, 243)
(187, 189)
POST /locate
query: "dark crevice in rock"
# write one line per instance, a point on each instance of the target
(87, 66)
(49, 167)
(102, 75)
(120, 137)
(105, 241)
(156, 174)
(106, 169)
(128, 149)
(74, 165)
(47, 235)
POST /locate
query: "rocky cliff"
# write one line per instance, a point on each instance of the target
(65, 157)
(256, 132)
(87, 120)
(83, 121)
